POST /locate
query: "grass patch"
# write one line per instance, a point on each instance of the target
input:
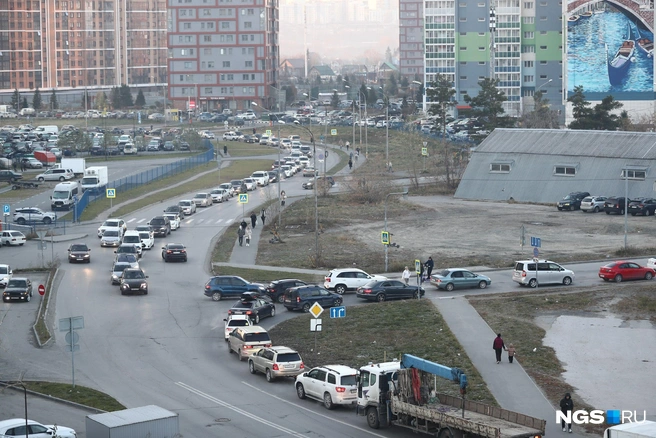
(236, 170)
(264, 276)
(79, 394)
(141, 156)
(24, 193)
(239, 149)
(223, 248)
(414, 327)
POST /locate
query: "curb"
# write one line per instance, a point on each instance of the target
(10, 386)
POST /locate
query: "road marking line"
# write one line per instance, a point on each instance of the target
(310, 410)
(189, 221)
(141, 220)
(132, 220)
(240, 411)
(200, 221)
(229, 221)
(219, 221)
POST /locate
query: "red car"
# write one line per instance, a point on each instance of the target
(623, 270)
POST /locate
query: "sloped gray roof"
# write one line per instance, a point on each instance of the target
(130, 416)
(598, 157)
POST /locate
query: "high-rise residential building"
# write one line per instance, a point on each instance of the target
(222, 53)
(411, 38)
(527, 53)
(65, 45)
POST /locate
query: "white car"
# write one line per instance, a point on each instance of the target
(305, 161)
(147, 239)
(16, 427)
(202, 200)
(286, 143)
(188, 206)
(56, 175)
(111, 237)
(547, 273)
(250, 184)
(341, 280)
(12, 238)
(229, 188)
(296, 145)
(5, 275)
(331, 384)
(230, 136)
(112, 223)
(261, 178)
(287, 170)
(174, 219)
(219, 195)
(133, 237)
(234, 321)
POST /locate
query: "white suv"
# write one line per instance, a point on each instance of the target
(547, 273)
(261, 178)
(341, 280)
(331, 384)
(32, 214)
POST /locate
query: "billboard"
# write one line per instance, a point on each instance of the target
(610, 49)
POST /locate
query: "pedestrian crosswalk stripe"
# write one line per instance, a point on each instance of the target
(132, 220)
(189, 221)
(140, 220)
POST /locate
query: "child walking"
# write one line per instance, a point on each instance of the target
(511, 353)
(249, 234)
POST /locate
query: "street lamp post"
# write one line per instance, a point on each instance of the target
(279, 174)
(352, 107)
(404, 193)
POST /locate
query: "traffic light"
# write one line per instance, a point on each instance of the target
(385, 237)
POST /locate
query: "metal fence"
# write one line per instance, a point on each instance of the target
(145, 177)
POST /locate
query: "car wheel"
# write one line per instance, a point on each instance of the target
(648, 276)
(251, 367)
(273, 311)
(257, 318)
(533, 283)
(269, 376)
(372, 418)
(618, 278)
(415, 295)
(608, 212)
(595, 210)
(482, 284)
(306, 307)
(21, 221)
(40, 179)
(300, 391)
(380, 297)
(61, 178)
(281, 298)
(338, 302)
(216, 296)
(328, 401)
(633, 214)
(340, 289)
(567, 281)
(572, 208)
(449, 287)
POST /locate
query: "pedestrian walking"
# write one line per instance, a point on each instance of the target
(389, 167)
(406, 276)
(253, 219)
(347, 146)
(240, 233)
(350, 164)
(429, 267)
(243, 223)
(249, 234)
(498, 346)
(283, 197)
(263, 216)
(421, 273)
(511, 353)
(357, 151)
(566, 405)
(225, 150)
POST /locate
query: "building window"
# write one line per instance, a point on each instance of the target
(186, 25)
(244, 37)
(529, 35)
(528, 64)
(565, 170)
(225, 25)
(463, 78)
(529, 78)
(207, 38)
(244, 77)
(462, 49)
(528, 49)
(528, 20)
(248, 25)
(500, 167)
(210, 64)
(528, 5)
(543, 47)
(248, 63)
(208, 90)
(187, 65)
(639, 174)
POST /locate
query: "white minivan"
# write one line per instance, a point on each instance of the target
(261, 178)
(547, 273)
(65, 195)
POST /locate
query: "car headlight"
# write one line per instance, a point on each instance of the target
(86, 256)
(143, 286)
(114, 277)
(125, 286)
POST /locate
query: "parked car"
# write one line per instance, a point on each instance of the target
(56, 175)
(222, 286)
(388, 290)
(303, 297)
(331, 384)
(449, 279)
(572, 201)
(26, 215)
(174, 251)
(16, 427)
(18, 289)
(234, 321)
(133, 280)
(5, 275)
(79, 252)
(247, 340)
(12, 238)
(341, 280)
(276, 289)
(593, 204)
(202, 199)
(643, 206)
(619, 271)
(188, 206)
(275, 362)
(615, 204)
(547, 272)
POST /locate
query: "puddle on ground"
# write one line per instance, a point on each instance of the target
(610, 361)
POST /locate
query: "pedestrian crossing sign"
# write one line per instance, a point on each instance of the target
(384, 237)
(243, 198)
(268, 132)
(111, 193)
(333, 132)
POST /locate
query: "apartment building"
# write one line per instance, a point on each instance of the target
(527, 53)
(64, 45)
(411, 38)
(222, 53)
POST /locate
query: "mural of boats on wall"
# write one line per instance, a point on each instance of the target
(645, 45)
(619, 65)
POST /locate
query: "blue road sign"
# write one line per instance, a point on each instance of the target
(338, 312)
(536, 241)
(6, 209)
(111, 193)
(243, 198)
(536, 252)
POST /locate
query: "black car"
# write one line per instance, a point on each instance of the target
(303, 297)
(79, 252)
(572, 201)
(134, 280)
(276, 289)
(254, 307)
(388, 290)
(128, 248)
(616, 204)
(250, 139)
(175, 209)
(160, 226)
(9, 176)
(18, 289)
(168, 146)
(273, 176)
(184, 146)
(326, 182)
(173, 252)
(643, 206)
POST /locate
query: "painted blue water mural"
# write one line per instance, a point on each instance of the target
(587, 57)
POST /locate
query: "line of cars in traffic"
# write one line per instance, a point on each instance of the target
(587, 203)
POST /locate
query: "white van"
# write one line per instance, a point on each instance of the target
(47, 129)
(64, 195)
(548, 272)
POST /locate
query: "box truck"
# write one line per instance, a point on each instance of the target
(645, 429)
(77, 165)
(95, 179)
(146, 421)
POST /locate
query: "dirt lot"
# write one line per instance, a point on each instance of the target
(455, 232)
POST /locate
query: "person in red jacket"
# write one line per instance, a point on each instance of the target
(498, 346)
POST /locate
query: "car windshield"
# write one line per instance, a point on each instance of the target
(235, 182)
(201, 195)
(17, 283)
(132, 239)
(127, 249)
(60, 195)
(133, 274)
(79, 248)
(257, 337)
(4, 270)
(128, 258)
(347, 380)
(110, 224)
(121, 267)
(110, 233)
(244, 305)
(171, 217)
(176, 247)
(144, 236)
(157, 222)
(185, 203)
